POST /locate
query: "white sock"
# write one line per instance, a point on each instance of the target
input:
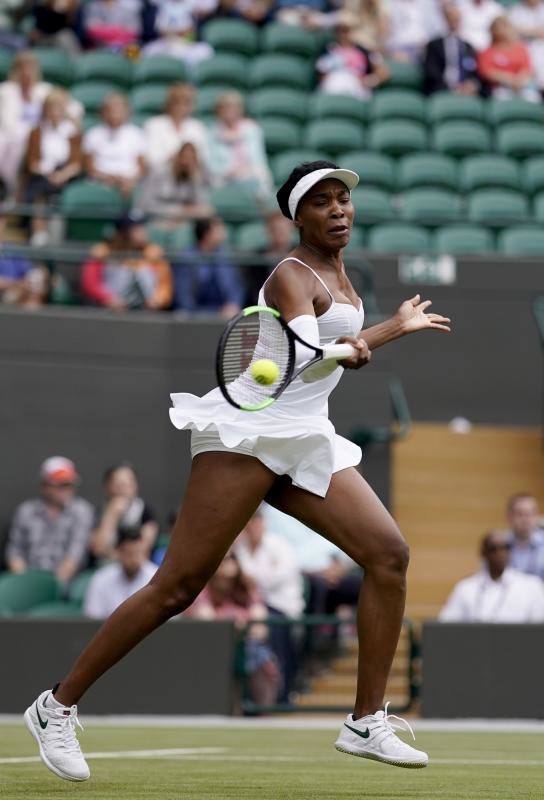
(50, 702)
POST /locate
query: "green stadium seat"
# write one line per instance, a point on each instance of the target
(371, 205)
(460, 240)
(89, 207)
(150, 98)
(515, 110)
(280, 134)
(159, 69)
(497, 207)
(103, 66)
(339, 106)
(404, 74)
(356, 240)
(231, 35)
(90, 120)
(56, 65)
(78, 586)
(539, 207)
(333, 136)
(489, 170)
(228, 67)
(283, 163)
(236, 203)
(56, 610)
(461, 138)
(289, 103)
(397, 137)
(398, 103)
(172, 240)
(251, 236)
(521, 241)
(430, 206)
(532, 174)
(399, 238)
(91, 94)
(445, 106)
(291, 39)
(207, 96)
(427, 169)
(521, 139)
(276, 69)
(374, 169)
(6, 57)
(19, 593)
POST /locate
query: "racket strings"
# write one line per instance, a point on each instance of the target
(252, 338)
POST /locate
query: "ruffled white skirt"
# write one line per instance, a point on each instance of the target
(306, 448)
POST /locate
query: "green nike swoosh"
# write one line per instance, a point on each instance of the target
(43, 724)
(362, 734)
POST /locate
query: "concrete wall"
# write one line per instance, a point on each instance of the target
(481, 670)
(182, 668)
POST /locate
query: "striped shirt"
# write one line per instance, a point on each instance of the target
(42, 541)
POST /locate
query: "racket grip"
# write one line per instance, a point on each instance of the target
(339, 351)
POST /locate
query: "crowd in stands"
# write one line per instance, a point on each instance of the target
(166, 166)
(275, 571)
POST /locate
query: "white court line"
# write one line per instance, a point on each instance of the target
(165, 753)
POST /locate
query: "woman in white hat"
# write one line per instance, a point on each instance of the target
(290, 455)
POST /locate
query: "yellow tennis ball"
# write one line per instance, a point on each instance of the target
(265, 371)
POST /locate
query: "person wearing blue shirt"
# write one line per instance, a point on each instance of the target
(206, 280)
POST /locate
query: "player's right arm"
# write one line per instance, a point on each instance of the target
(292, 291)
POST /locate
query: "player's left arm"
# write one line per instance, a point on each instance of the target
(410, 317)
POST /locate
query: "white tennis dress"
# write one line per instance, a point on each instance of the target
(294, 435)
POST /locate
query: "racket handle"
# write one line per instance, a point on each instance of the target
(339, 351)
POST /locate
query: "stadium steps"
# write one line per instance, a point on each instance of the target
(448, 489)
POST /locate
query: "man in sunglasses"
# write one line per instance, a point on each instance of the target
(498, 593)
(51, 532)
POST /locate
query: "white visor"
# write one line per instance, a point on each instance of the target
(351, 179)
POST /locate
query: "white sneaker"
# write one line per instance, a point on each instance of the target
(55, 731)
(374, 737)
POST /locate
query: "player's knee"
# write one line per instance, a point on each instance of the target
(176, 598)
(391, 559)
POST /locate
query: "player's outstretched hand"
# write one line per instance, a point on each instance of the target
(412, 317)
(363, 353)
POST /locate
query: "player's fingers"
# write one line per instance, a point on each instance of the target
(425, 304)
(438, 318)
(440, 327)
(415, 299)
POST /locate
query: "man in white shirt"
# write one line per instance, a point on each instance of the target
(476, 19)
(114, 152)
(113, 584)
(525, 534)
(167, 132)
(498, 593)
(527, 18)
(271, 562)
(412, 23)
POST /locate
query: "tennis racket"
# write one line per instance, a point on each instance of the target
(259, 333)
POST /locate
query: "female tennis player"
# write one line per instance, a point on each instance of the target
(289, 455)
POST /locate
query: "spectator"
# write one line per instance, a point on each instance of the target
(167, 132)
(51, 532)
(310, 14)
(54, 22)
(271, 563)
(412, 23)
(128, 272)
(114, 583)
(346, 68)
(177, 36)
(206, 279)
(124, 509)
(371, 23)
(53, 158)
(237, 153)
(176, 191)
(498, 593)
(112, 23)
(21, 282)
(525, 534)
(279, 233)
(21, 99)
(231, 595)
(449, 63)
(476, 19)
(506, 65)
(114, 152)
(527, 17)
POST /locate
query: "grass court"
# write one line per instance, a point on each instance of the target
(213, 763)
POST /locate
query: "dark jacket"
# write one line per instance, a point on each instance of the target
(434, 65)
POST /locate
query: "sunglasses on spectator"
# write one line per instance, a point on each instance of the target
(492, 548)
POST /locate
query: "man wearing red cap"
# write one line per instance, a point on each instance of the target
(51, 532)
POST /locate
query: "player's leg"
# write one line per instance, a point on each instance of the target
(352, 517)
(223, 491)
